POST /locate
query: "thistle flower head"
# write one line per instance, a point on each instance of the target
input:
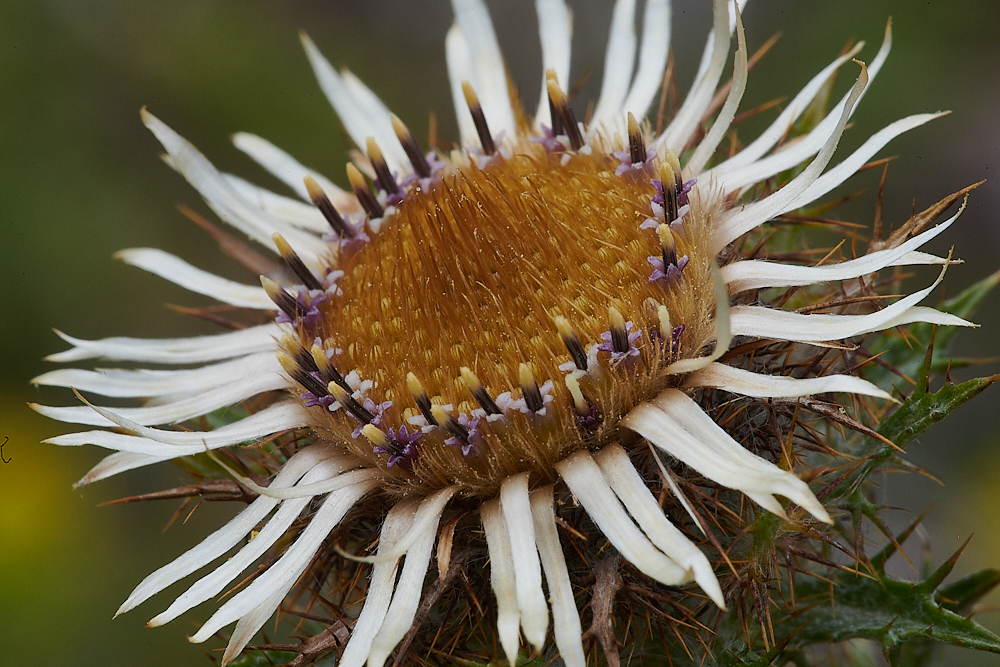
(526, 328)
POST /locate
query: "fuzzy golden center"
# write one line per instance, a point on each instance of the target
(507, 316)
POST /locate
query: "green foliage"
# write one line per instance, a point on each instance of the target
(906, 354)
(890, 611)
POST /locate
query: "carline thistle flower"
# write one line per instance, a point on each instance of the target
(511, 338)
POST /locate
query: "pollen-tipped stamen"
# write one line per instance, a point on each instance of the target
(295, 263)
(663, 315)
(478, 118)
(325, 367)
(479, 392)
(385, 177)
(420, 397)
(580, 403)
(288, 304)
(302, 356)
(529, 389)
(350, 403)
(325, 206)
(560, 104)
(619, 333)
(572, 342)
(301, 376)
(381, 440)
(410, 146)
(668, 180)
(668, 246)
(636, 142)
(363, 192)
(449, 423)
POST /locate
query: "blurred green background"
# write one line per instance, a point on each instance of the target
(80, 179)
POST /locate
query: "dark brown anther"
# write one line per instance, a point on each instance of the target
(479, 392)
(288, 304)
(301, 376)
(343, 396)
(325, 206)
(557, 98)
(557, 126)
(529, 389)
(572, 343)
(668, 178)
(295, 263)
(668, 246)
(675, 167)
(381, 439)
(449, 423)
(411, 147)
(326, 369)
(420, 397)
(479, 118)
(619, 334)
(364, 193)
(301, 355)
(385, 178)
(636, 143)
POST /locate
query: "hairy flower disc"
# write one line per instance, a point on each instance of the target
(474, 271)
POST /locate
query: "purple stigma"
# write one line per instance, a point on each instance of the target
(673, 273)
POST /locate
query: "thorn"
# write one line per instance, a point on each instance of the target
(479, 118)
(931, 583)
(411, 147)
(878, 560)
(924, 373)
(363, 192)
(325, 206)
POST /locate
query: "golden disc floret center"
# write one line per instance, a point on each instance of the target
(470, 279)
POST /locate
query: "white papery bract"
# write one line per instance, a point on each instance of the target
(216, 371)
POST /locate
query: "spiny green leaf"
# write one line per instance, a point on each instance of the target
(962, 594)
(889, 611)
(913, 417)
